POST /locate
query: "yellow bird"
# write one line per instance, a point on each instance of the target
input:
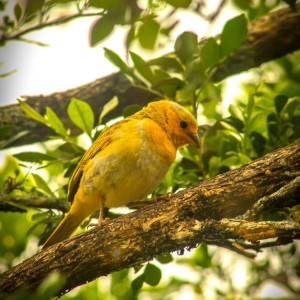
(126, 162)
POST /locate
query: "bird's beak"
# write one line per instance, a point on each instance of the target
(196, 139)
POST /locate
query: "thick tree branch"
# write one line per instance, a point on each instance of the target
(201, 213)
(269, 37)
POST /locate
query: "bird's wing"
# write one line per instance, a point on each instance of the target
(98, 145)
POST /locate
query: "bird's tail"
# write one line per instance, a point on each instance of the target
(65, 229)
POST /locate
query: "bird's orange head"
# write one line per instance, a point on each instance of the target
(180, 124)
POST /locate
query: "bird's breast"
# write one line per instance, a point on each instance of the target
(131, 167)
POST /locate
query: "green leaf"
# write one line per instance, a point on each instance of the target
(137, 283)
(203, 259)
(142, 67)
(42, 184)
(31, 7)
(33, 157)
(292, 107)
(108, 107)
(129, 110)
(81, 115)
(152, 274)
(233, 34)
(169, 63)
(258, 142)
(244, 158)
(258, 123)
(101, 29)
(18, 12)
(147, 33)
(169, 86)
(179, 3)
(117, 61)
(210, 53)
(106, 4)
(236, 112)
(186, 45)
(31, 112)
(54, 122)
(165, 259)
(39, 216)
(280, 102)
(195, 73)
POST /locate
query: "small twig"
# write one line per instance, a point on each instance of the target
(289, 193)
(54, 22)
(236, 247)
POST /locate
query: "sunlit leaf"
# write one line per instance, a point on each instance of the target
(166, 63)
(233, 34)
(186, 45)
(179, 3)
(54, 122)
(203, 258)
(101, 29)
(142, 67)
(31, 7)
(31, 112)
(42, 184)
(169, 86)
(33, 156)
(81, 115)
(106, 4)
(236, 112)
(147, 33)
(195, 73)
(108, 107)
(258, 123)
(210, 53)
(18, 12)
(114, 58)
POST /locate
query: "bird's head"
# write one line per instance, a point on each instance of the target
(180, 124)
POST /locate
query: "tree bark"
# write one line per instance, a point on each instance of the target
(269, 37)
(210, 212)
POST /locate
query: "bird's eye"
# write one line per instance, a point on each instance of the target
(183, 124)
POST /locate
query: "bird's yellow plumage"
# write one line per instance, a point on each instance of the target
(126, 162)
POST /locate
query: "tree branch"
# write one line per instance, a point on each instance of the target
(289, 192)
(269, 37)
(202, 213)
(58, 21)
(20, 203)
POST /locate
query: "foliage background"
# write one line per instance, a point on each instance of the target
(263, 114)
